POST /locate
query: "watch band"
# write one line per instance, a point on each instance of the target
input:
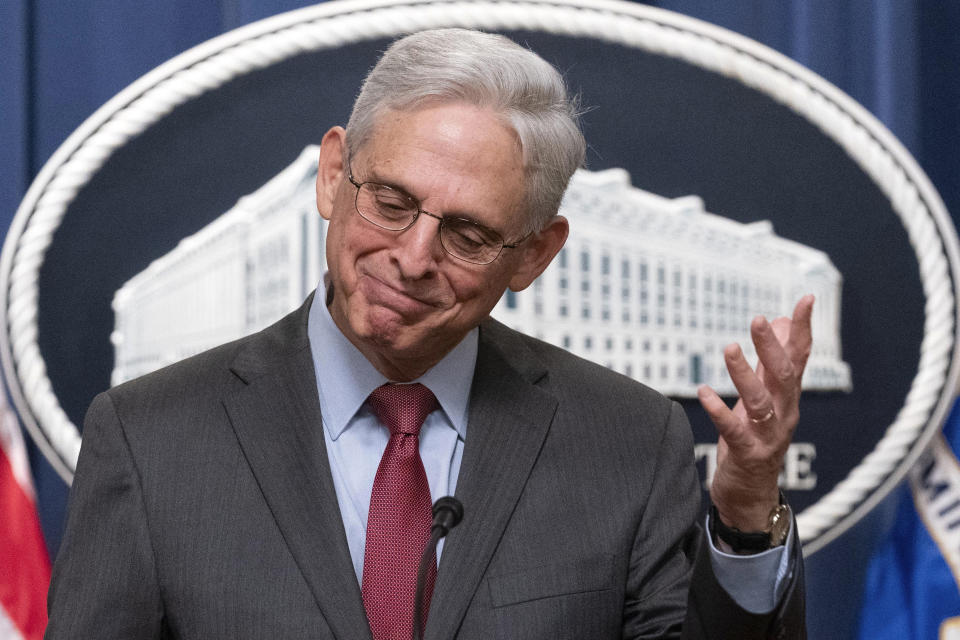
(754, 541)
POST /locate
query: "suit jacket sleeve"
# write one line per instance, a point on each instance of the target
(104, 582)
(671, 572)
(711, 608)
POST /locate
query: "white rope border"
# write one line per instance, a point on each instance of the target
(332, 24)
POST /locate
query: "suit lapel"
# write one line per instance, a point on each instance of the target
(276, 417)
(508, 422)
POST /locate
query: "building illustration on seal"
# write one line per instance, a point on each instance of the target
(651, 287)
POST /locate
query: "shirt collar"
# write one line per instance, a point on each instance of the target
(345, 378)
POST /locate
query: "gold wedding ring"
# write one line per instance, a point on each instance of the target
(769, 415)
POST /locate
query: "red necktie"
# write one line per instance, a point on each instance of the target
(398, 526)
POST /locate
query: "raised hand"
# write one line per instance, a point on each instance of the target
(755, 433)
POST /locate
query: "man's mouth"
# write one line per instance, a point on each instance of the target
(404, 302)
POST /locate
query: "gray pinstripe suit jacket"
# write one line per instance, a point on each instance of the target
(203, 508)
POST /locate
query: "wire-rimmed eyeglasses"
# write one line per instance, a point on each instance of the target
(396, 210)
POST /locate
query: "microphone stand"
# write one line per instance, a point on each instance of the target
(447, 513)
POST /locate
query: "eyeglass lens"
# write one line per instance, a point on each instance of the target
(394, 210)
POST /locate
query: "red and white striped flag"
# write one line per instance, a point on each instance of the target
(24, 562)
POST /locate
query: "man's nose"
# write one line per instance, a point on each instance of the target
(420, 249)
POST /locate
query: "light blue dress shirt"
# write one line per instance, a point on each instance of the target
(355, 442)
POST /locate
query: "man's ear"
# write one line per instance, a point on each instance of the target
(330, 169)
(537, 252)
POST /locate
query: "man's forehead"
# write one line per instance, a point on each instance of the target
(460, 137)
(388, 117)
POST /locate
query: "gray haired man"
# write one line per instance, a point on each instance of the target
(258, 490)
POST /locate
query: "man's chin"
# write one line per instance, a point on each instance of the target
(392, 332)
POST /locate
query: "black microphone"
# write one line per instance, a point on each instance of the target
(447, 513)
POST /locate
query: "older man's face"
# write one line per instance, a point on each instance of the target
(399, 297)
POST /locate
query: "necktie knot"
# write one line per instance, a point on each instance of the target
(402, 408)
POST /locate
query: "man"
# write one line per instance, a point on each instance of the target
(264, 489)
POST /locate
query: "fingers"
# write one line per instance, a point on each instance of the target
(769, 395)
(778, 371)
(758, 403)
(783, 348)
(781, 329)
(801, 335)
(728, 424)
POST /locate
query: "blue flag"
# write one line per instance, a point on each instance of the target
(913, 582)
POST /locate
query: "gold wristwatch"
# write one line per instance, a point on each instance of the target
(778, 526)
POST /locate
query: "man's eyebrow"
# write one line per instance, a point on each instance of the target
(460, 215)
(373, 177)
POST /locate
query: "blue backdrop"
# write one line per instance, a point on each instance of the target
(896, 57)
